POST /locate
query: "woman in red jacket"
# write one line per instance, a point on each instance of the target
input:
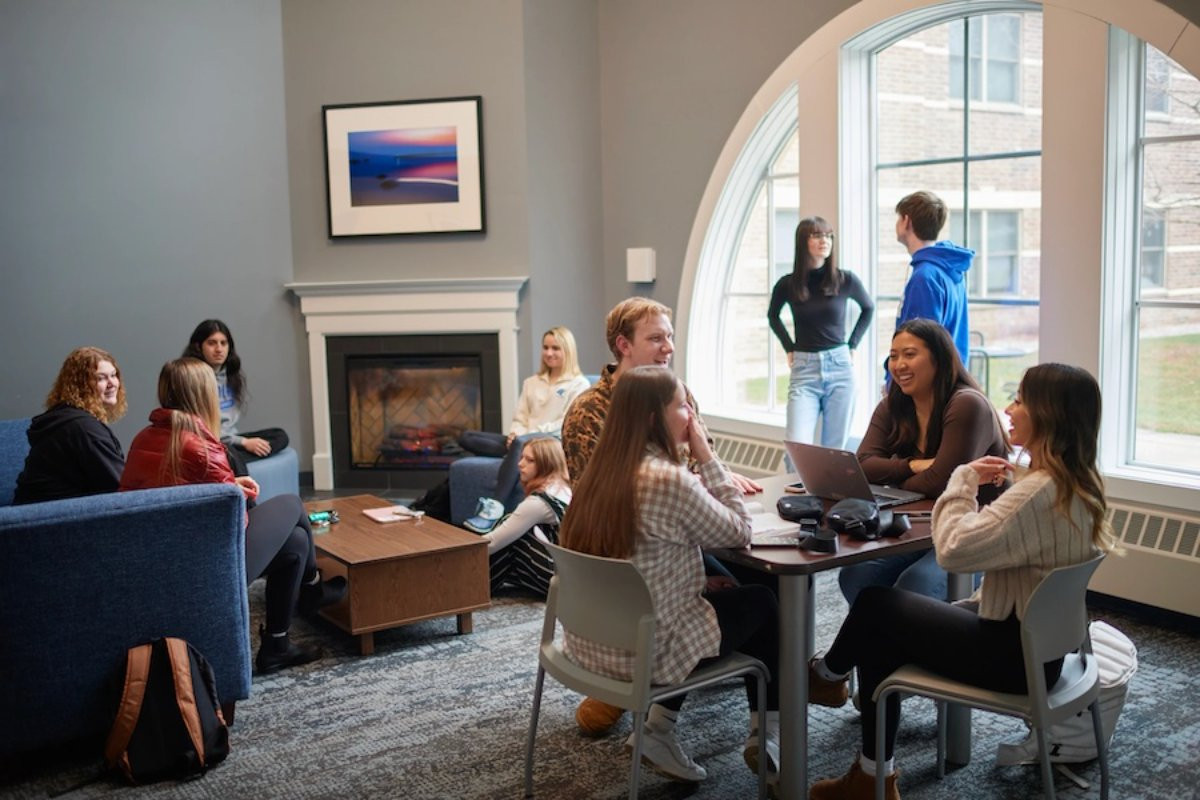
(179, 447)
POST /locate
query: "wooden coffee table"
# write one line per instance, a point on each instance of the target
(399, 572)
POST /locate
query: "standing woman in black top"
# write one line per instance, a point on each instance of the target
(822, 377)
(72, 451)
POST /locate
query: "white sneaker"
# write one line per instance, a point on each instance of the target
(661, 751)
(751, 750)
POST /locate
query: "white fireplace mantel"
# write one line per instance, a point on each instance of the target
(397, 307)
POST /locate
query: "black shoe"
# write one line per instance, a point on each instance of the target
(279, 652)
(320, 594)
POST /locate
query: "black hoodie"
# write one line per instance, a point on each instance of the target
(71, 453)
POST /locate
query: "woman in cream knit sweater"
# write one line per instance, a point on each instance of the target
(1052, 517)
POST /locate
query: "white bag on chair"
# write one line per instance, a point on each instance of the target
(1072, 741)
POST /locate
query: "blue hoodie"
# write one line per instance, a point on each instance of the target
(937, 290)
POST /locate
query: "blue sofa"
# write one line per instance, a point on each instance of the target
(85, 579)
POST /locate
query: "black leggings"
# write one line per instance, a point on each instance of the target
(238, 457)
(889, 627)
(279, 544)
(749, 620)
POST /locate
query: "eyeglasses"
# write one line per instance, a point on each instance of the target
(814, 236)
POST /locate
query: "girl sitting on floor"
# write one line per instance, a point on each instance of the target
(516, 554)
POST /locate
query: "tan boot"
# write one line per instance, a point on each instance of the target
(854, 785)
(824, 692)
(595, 717)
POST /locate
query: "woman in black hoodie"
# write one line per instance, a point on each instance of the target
(72, 451)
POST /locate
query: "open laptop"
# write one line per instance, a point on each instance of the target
(836, 474)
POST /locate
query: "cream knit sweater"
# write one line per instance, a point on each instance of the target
(1016, 540)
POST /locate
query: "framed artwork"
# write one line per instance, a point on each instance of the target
(410, 166)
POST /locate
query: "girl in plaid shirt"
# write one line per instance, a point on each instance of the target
(637, 500)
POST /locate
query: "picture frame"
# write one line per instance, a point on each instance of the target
(404, 167)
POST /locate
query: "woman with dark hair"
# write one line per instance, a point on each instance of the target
(933, 418)
(179, 448)
(212, 343)
(637, 500)
(72, 451)
(1054, 516)
(822, 373)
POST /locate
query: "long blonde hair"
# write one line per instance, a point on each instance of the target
(1063, 404)
(549, 461)
(603, 516)
(187, 387)
(75, 385)
(566, 340)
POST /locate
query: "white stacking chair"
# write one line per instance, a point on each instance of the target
(1055, 626)
(606, 601)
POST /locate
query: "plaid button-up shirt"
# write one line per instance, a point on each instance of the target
(678, 514)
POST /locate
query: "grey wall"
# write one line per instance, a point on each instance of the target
(562, 90)
(145, 188)
(675, 77)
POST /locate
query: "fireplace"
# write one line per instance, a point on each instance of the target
(397, 405)
(433, 309)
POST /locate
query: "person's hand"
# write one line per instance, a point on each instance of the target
(508, 442)
(991, 469)
(791, 358)
(248, 485)
(259, 447)
(698, 444)
(920, 464)
(744, 484)
(717, 583)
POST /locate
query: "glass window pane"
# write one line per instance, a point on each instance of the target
(750, 262)
(1168, 389)
(1004, 37)
(788, 161)
(1171, 192)
(744, 352)
(1003, 128)
(786, 199)
(916, 121)
(1172, 100)
(1154, 239)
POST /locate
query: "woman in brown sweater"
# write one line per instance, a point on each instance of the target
(933, 419)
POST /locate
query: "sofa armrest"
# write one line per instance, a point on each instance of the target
(85, 579)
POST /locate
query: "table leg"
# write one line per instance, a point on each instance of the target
(795, 643)
(465, 623)
(366, 644)
(958, 718)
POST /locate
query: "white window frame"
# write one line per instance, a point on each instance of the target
(1123, 299)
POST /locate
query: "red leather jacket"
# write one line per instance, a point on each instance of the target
(203, 459)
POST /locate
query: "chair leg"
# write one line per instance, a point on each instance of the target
(1044, 756)
(880, 744)
(762, 735)
(635, 769)
(533, 721)
(1101, 749)
(941, 738)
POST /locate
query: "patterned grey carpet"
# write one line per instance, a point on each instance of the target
(436, 715)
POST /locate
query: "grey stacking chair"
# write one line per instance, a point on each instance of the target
(605, 600)
(1055, 626)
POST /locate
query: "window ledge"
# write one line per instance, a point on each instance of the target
(1153, 486)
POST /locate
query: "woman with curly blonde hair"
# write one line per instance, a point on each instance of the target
(72, 451)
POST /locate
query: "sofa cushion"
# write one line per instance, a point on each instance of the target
(14, 447)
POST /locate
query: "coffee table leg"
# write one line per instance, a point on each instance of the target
(465, 623)
(366, 643)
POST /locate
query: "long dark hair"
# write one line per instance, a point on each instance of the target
(602, 519)
(949, 376)
(1063, 404)
(234, 379)
(803, 263)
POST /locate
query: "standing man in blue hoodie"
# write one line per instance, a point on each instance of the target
(937, 288)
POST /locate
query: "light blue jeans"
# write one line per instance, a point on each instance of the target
(821, 390)
(916, 572)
